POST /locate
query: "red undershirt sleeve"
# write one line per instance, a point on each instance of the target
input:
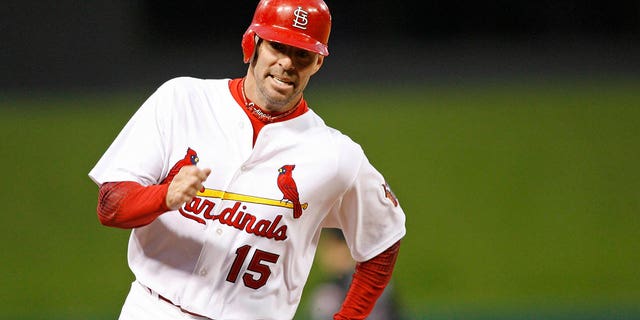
(128, 204)
(369, 281)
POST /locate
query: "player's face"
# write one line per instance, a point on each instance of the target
(280, 73)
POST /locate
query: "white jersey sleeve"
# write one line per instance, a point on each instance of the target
(368, 213)
(138, 153)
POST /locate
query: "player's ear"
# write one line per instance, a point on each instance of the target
(318, 64)
(258, 43)
(251, 48)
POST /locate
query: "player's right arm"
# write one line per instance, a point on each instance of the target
(369, 280)
(128, 204)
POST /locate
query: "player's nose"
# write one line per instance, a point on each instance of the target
(286, 62)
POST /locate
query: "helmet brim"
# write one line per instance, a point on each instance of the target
(291, 38)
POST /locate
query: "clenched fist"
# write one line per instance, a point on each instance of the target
(185, 185)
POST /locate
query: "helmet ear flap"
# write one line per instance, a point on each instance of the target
(248, 45)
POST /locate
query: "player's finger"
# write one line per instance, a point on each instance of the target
(203, 174)
(188, 169)
(175, 200)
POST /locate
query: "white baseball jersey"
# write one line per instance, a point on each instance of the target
(237, 251)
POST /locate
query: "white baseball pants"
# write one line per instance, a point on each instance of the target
(143, 305)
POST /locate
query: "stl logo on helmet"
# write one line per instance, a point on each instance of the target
(300, 21)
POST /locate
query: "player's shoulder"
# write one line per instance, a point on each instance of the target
(342, 143)
(187, 84)
(181, 93)
(349, 154)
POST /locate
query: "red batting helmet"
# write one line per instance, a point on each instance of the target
(302, 24)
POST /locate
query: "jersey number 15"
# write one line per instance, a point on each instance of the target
(255, 265)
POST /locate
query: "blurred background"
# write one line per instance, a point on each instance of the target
(509, 130)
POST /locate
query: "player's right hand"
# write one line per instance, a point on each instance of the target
(185, 185)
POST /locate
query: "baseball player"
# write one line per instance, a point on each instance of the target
(227, 184)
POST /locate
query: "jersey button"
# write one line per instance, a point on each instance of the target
(203, 272)
(219, 232)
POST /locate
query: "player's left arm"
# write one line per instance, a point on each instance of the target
(128, 204)
(370, 279)
(371, 219)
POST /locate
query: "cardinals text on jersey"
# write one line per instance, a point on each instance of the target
(201, 209)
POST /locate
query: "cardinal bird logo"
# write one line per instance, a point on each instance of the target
(289, 189)
(389, 194)
(191, 158)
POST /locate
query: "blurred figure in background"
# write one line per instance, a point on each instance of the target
(336, 266)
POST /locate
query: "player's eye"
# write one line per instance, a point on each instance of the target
(303, 54)
(278, 46)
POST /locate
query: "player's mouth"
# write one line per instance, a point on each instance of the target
(282, 82)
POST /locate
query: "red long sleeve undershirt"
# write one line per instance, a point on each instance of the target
(369, 281)
(128, 204)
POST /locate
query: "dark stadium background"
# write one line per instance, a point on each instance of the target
(129, 43)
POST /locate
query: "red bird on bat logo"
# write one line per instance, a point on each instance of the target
(289, 188)
(190, 159)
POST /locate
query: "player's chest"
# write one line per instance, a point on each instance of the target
(280, 179)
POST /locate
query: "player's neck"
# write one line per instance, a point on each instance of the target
(262, 114)
(235, 86)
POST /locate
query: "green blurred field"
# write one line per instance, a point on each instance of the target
(522, 200)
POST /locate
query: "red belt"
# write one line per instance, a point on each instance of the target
(175, 305)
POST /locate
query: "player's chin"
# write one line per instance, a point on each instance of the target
(281, 95)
